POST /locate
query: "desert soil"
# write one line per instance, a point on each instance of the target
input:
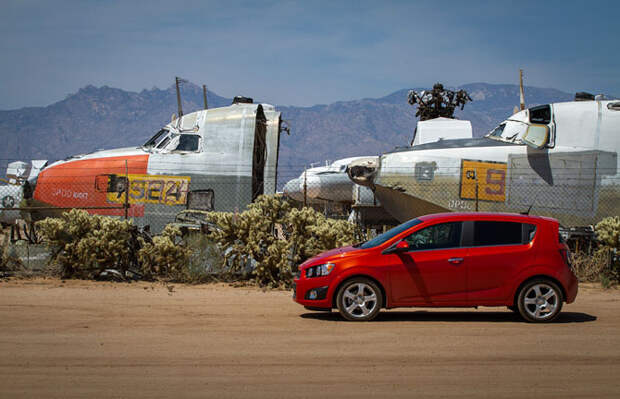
(93, 339)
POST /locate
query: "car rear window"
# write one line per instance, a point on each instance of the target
(502, 233)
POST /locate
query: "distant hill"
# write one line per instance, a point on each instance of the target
(104, 117)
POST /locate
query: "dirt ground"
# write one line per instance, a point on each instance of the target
(92, 339)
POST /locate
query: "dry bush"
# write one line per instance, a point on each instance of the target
(608, 235)
(251, 237)
(590, 267)
(165, 257)
(601, 265)
(206, 261)
(83, 245)
(10, 263)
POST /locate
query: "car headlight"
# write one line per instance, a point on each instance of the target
(319, 270)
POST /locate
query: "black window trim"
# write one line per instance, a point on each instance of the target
(467, 237)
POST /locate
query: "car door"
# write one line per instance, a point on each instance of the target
(433, 270)
(498, 251)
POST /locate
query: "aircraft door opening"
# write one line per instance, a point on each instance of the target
(259, 154)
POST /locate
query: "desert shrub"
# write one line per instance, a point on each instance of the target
(608, 235)
(601, 265)
(166, 257)
(83, 245)
(9, 259)
(608, 232)
(252, 236)
(590, 267)
(206, 261)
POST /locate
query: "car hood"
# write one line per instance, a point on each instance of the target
(332, 254)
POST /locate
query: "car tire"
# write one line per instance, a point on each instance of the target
(359, 299)
(540, 301)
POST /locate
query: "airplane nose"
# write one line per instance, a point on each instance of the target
(294, 189)
(363, 171)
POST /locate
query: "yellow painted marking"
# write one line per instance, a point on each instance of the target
(154, 189)
(491, 179)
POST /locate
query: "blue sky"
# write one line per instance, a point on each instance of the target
(306, 52)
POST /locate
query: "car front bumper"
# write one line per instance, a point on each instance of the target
(303, 287)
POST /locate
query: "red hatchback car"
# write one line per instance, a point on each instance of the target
(446, 260)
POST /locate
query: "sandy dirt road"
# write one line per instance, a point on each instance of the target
(91, 339)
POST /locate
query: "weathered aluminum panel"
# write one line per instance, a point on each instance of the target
(273, 148)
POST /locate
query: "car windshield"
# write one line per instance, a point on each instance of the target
(381, 238)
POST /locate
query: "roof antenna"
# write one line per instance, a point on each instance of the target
(528, 210)
(521, 94)
(531, 206)
(204, 95)
(177, 81)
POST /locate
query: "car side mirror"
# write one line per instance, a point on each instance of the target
(537, 136)
(401, 246)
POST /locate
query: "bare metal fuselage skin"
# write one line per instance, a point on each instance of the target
(572, 177)
(230, 153)
(323, 183)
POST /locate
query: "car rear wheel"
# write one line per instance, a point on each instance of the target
(359, 299)
(540, 301)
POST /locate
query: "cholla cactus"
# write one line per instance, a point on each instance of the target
(83, 245)
(608, 232)
(164, 257)
(252, 235)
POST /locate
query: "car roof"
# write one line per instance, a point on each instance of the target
(500, 216)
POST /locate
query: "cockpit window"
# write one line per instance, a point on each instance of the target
(510, 131)
(187, 142)
(166, 141)
(497, 132)
(540, 114)
(157, 139)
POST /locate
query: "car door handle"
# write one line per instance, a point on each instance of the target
(455, 261)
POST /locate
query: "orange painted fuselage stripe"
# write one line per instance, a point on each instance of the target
(72, 184)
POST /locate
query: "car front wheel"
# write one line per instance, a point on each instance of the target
(540, 301)
(359, 299)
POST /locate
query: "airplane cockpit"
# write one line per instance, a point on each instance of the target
(530, 127)
(165, 141)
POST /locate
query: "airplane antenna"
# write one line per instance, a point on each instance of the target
(521, 93)
(177, 81)
(204, 95)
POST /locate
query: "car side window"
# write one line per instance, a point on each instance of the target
(444, 235)
(502, 233)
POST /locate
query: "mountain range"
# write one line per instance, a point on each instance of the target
(105, 117)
